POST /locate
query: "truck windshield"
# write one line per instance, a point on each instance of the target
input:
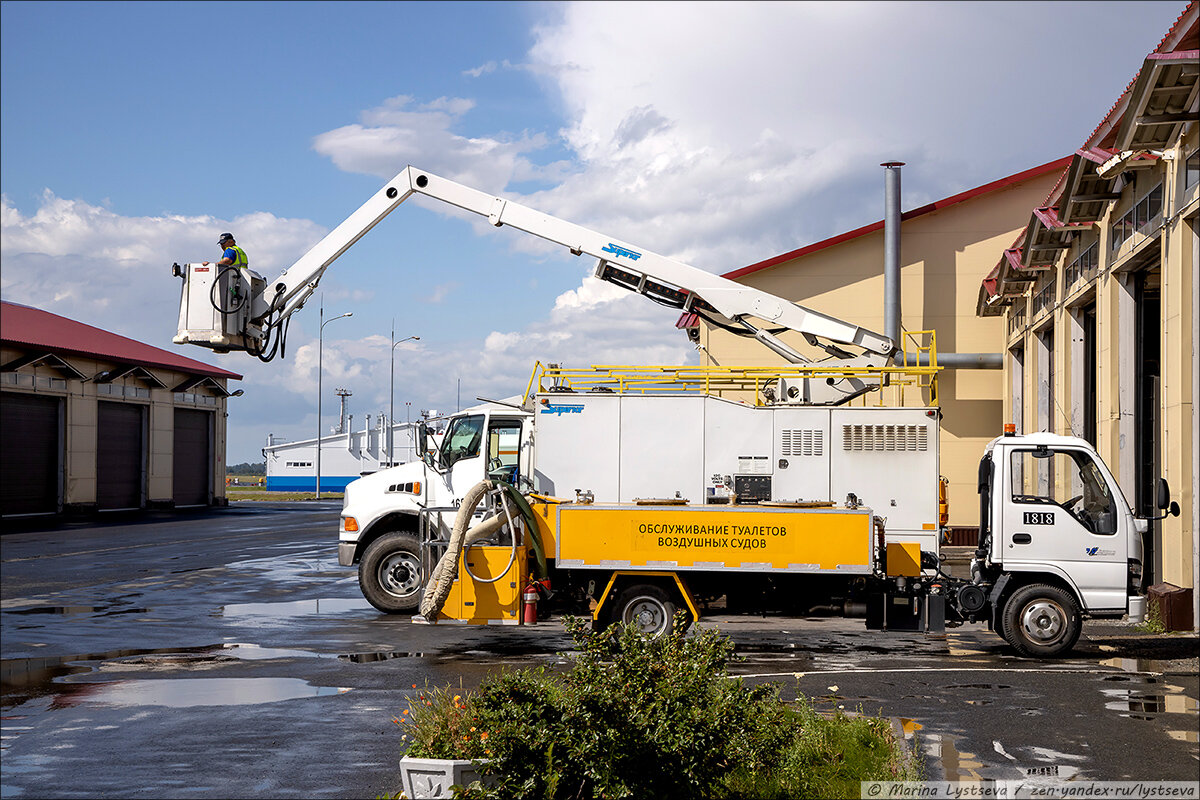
(462, 439)
(1066, 478)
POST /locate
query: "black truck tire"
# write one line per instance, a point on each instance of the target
(1040, 620)
(649, 608)
(389, 573)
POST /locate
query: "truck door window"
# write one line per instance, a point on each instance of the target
(1068, 479)
(504, 450)
(462, 439)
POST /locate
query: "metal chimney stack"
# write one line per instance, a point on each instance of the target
(891, 252)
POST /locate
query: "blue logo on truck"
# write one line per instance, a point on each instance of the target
(561, 409)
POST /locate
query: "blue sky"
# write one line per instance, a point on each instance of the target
(721, 134)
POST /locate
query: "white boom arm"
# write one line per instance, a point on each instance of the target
(663, 279)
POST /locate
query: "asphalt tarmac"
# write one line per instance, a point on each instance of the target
(224, 653)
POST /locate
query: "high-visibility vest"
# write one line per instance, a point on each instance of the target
(242, 261)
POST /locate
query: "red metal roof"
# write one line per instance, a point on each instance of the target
(1173, 33)
(32, 327)
(939, 205)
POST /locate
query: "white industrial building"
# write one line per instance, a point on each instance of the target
(346, 455)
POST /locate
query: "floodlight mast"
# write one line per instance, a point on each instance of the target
(741, 309)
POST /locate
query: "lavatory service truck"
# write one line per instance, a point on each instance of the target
(638, 492)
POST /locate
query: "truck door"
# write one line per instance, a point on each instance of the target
(460, 462)
(1059, 515)
(504, 450)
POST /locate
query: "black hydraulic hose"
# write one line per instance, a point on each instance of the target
(214, 290)
(540, 570)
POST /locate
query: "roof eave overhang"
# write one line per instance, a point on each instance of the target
(1162, 99)
(193, 383)
(43, 359)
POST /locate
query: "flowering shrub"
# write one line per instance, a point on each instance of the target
(630, 717)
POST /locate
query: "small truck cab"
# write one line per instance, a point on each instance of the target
(1057, 541)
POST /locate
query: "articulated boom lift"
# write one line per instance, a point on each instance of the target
(227, 310)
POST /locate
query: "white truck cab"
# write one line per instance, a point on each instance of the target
(380, 512)
(1057, 541)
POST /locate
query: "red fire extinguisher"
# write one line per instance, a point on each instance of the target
(529, 599)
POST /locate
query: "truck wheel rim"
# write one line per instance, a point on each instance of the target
(399, 574)
(647, 615)
(1043, 621)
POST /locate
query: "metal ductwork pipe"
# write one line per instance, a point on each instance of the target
(891, 286)
(957, 360)
(891, 252)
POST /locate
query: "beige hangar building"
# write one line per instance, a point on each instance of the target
(1098, 296)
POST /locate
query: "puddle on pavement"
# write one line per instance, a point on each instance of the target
(23, 679)
(956, 765)
(297, 608)
(104, 611)
(1137, 664)
(188, 692)
(1140, 703)
(367, 658)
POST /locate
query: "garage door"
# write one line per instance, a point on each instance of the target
(120, 459)
(193, 457)
(30, 454)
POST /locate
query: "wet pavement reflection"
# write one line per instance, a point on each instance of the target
(230, 656)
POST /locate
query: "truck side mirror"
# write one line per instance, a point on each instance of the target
(1162, 494)
(422, 438)
(1163, 501)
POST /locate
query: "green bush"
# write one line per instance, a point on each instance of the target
(645, 718)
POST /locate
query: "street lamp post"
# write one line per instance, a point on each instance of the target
(320, 354)
(392, 397)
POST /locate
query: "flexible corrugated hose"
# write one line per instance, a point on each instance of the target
(437, 589)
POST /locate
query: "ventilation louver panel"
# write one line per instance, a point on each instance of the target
(802, 442)
(885, 438)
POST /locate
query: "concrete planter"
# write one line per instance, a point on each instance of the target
(433, 777)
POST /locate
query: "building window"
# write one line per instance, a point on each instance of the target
(1082, 268)
(1016, 320)
(1138, 218)
(1191, 173)
(196, 399)
(117, 390)
(299, 464)
(32, 381)
(1044, 297)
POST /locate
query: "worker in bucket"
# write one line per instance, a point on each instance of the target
(231, 255)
